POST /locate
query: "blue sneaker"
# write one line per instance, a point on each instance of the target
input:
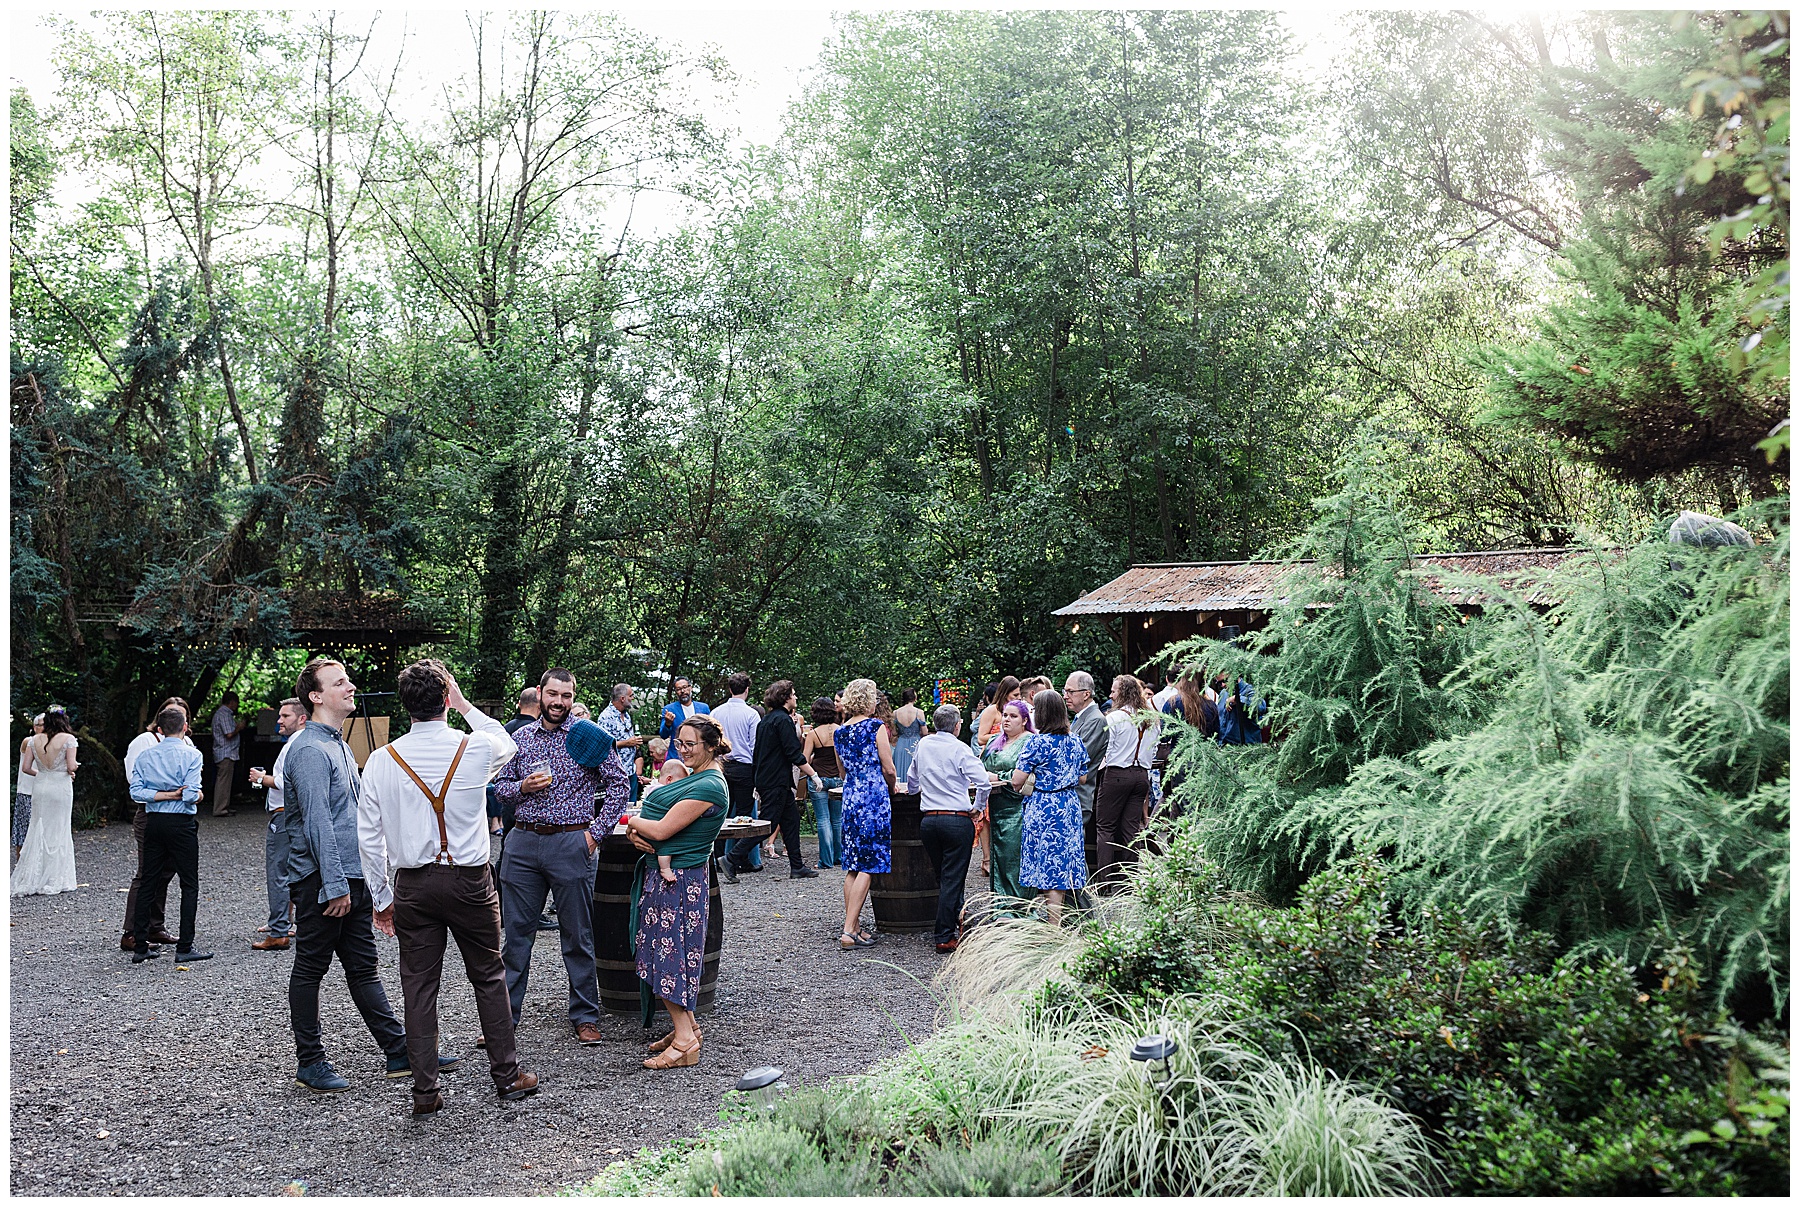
(321, 1078)
(401, 1065)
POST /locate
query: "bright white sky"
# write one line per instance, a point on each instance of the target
(770, 49)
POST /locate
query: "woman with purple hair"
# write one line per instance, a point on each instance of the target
(1006, 805)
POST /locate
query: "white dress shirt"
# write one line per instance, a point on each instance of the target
(1124, 746)
(143, 742)
(738, 721)
(943, 770)
(1165, 695)
(273, 779)
(396, 825)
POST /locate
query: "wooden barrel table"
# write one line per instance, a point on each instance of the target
(614, 961)
(906, 897)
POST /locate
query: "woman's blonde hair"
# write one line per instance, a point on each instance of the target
(860, 697)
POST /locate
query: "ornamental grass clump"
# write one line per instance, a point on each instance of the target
(1318, 1136)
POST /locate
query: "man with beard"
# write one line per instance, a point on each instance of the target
(550, 851)
(678, 710)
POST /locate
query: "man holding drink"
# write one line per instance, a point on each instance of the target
(551, 851)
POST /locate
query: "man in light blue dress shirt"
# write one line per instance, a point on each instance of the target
(166, 781)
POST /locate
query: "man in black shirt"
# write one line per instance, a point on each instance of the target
(778, 751)
(529, 710)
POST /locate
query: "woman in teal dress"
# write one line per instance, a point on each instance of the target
(680, 819)
(1006, 806)
(1050, 848)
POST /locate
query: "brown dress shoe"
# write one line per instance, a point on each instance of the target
(587, 1033)
(162, 936)
(271, 943)
(523, 1086)
(428, 1106)
(126, 944)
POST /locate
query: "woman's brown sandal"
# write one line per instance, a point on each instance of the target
(659, 1044)
(676, 1057)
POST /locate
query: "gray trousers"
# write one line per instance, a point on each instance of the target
(533, 867)
(275, 858)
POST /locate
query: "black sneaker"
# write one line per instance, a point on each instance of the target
(321, 1078)
(191, 956)
(546, 922)
(727, 873)
(138, 957)
(803, 873)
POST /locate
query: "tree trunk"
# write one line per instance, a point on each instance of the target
(502, 582)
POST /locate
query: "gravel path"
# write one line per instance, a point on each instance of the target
(152, 1080)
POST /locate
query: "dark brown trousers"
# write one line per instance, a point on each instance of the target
(139, 821)
(430, 903)
(1118, 818)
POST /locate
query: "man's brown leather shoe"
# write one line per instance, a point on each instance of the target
(587, 1033)
(162, 936)
(270, 943)
(428, 1106)
(523, 1086)
(125, 943)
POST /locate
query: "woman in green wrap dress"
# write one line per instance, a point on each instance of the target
(1006, 806)
(679, 819)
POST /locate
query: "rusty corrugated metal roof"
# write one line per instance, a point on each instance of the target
(1255, 586)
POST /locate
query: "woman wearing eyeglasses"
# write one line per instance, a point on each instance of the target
(680, 819)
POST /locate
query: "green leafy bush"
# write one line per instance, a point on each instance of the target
(1536, 1073)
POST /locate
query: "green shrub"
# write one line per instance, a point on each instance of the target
(753, 1159)
(1536, 1073)
(999, 1166)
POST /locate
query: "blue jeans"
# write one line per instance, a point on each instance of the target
(829, 814)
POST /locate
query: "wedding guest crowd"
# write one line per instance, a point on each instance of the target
(401, 844)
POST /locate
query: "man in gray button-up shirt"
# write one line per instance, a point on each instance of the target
(333, 911)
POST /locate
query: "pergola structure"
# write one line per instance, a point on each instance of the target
(1159, 603)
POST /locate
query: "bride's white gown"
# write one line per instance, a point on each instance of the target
(47, 861)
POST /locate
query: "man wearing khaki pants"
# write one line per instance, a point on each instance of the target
(424, 812)
(226, 735)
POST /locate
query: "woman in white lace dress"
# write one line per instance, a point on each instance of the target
(47, 863)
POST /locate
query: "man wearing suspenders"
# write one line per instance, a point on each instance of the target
(424, 813)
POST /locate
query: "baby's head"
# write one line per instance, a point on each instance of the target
(659, 749)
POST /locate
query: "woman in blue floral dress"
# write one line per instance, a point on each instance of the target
(867, 755)
(1051, 856)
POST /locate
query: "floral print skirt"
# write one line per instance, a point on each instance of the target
(671, 935)
(1051, 852)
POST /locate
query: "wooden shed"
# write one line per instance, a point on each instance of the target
(1154, 605)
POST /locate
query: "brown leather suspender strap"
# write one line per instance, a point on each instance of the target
(436, 798)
